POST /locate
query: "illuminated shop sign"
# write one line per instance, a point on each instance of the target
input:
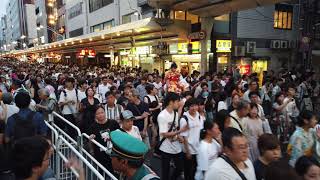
(224, 45)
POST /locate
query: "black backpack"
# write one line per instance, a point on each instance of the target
(23, 127)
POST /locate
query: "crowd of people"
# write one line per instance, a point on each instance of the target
(202, 127)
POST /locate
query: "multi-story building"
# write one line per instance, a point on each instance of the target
(21, 23)
(87, 16)
(47, 19)
(265, 37)
(3, 26)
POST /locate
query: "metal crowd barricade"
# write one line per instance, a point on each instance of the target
(105, 173)
(54, 139)
(65, 147)
(65, 151)
(78, 141)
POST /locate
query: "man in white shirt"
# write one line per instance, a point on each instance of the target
(103, 88)
(168, 121)
(238, 114)
(69, 102)
(234, 163)
(83, 85)
(158, 85)
(192, 119)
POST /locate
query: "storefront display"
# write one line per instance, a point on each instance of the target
(258, 66)
(223, 49)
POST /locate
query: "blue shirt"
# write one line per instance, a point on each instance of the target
(37, 119)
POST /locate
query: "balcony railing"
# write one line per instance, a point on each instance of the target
(142, 2)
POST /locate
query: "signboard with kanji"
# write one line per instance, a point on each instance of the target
(224, 45)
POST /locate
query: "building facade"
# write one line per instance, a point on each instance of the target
(3, 27)
(87, 16)
(20, 24)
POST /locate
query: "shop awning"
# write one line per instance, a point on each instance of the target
(207, 8)
(139, 33)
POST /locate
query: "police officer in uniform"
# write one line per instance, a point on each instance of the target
(128, 157)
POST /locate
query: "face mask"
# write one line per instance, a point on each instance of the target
(205, 94)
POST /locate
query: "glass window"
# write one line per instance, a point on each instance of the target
(280, 20)
(276, 19)
(126, 18)
(96, 28)
(75, 10)
(283, 16)
(181, 15)
(77, 32)
(108, 24)
(193, 18)
(97, 4)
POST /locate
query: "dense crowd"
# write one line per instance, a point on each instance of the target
(213, 126)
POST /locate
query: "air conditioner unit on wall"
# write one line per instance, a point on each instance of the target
(293, 44)
(239, 51)
(251, 47)
(284, 44)
(275, 44)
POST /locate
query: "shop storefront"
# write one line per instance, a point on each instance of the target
(223, 50)
(187, 56)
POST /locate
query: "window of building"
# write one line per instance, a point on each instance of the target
(96, 28)
(97, 4)
(102, 26)
(75, 10)
(108, 24)
(181, 15)
(127, 18)
(193, 18)
(76, 32)
(283, 16)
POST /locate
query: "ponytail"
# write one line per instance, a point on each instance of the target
(206, 126)
(203, 134)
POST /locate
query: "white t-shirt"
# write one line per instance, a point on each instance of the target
(221, 170)
(291, 108)
(234, 123)
(11, 110)
(152, 98)
(157, 85)
(165, 120)
(208, 153)
(193, 134)
(81, 95)
(102, 90)
(135, 132)
(70, 95)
